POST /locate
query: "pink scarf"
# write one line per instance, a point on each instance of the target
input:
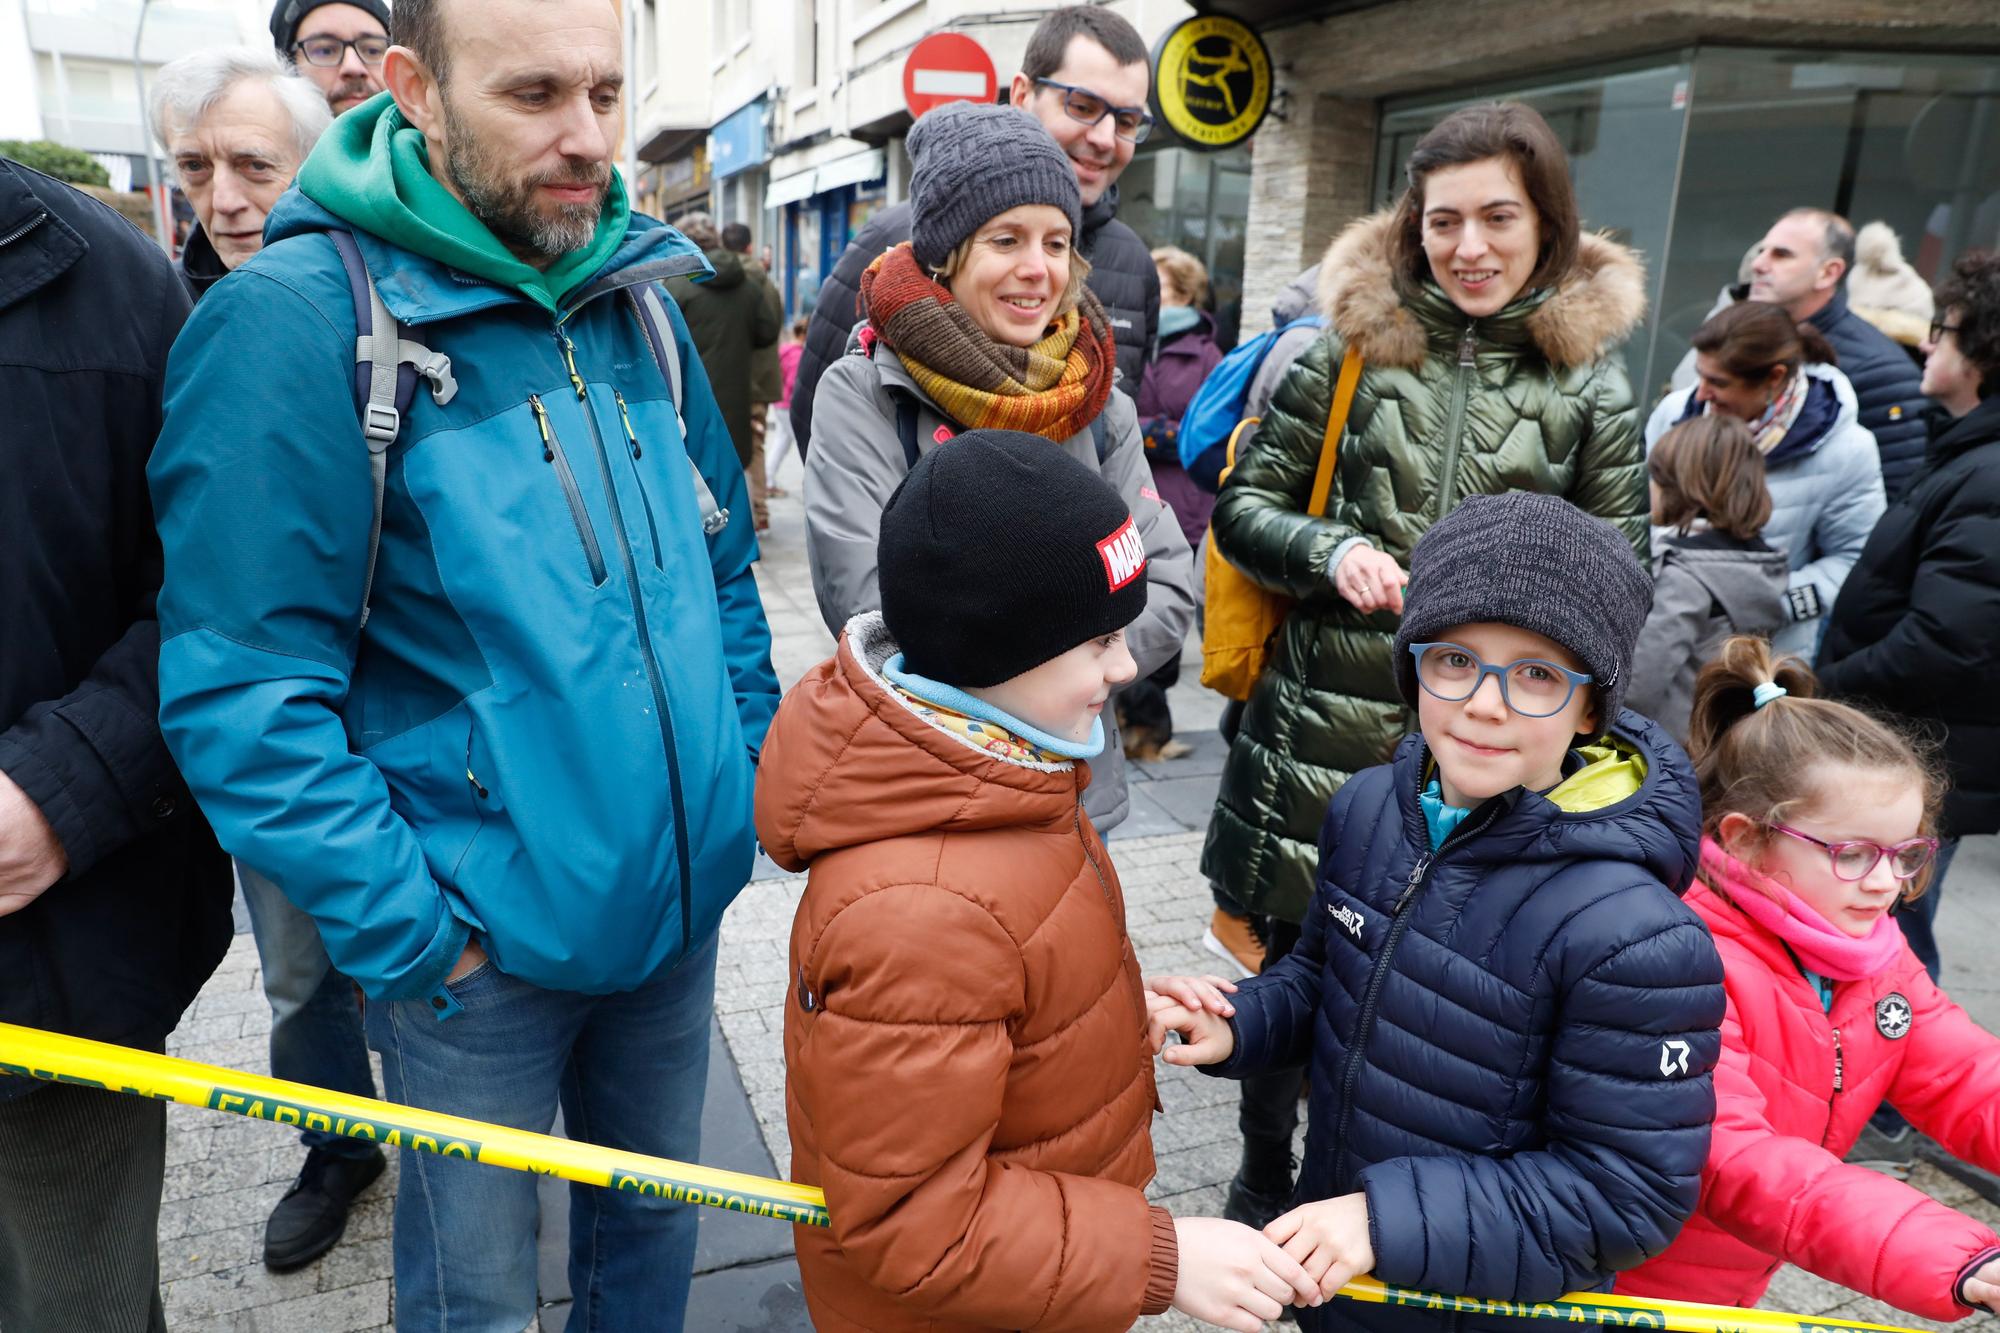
(1824, 948)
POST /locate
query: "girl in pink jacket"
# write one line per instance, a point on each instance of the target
(1818, 819)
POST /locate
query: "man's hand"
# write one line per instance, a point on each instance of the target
(1370, 580)
(1329, 1239)
(31, 856)
(1982, 1289)
(1207, 1039)
(1234, 1278)
(468, 962)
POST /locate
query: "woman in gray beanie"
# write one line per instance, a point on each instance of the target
(982, 321)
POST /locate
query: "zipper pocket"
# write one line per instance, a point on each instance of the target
(645, 501)
(552, 453)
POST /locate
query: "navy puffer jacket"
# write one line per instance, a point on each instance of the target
(1511, 1039)
(1888, 385)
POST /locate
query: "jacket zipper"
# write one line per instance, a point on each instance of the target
(1468, 359)
(1839, 1062)
(646, 655)
(24, 229)
(645, 501)
(1364, 1025)
(552, 453)
(1103, 885)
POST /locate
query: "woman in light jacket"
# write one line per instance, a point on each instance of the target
(982, 320)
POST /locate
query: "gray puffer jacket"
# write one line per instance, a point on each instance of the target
(857, 461)
(1706, 587)
(1826, 493)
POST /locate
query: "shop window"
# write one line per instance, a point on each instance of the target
(1199, 202)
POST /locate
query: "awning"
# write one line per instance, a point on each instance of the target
(850, 170)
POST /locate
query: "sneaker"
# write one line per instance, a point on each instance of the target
(1891, 1154)
(312, 1216)
(1236, 942)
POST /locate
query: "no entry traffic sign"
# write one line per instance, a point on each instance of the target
(947, 67)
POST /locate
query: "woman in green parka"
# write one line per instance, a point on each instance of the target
(1487, 326)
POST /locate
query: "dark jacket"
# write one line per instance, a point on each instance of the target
(1511, 1038)
(1121, 274)
(767, 378)
(1178, 367)
(1706, 586)
(1887, 385)
(117, 948)
(199, 267)
(729, 319)
(1533, 398)
(1917, 626)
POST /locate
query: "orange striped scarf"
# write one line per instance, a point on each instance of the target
(1055, 388)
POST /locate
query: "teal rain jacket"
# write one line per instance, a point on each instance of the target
(546, 736)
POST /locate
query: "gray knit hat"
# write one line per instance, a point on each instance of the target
(1536, 562)
(971, 162)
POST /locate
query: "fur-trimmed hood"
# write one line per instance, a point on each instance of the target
(1593, 309)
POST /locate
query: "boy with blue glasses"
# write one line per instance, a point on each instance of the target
(1510, 1015)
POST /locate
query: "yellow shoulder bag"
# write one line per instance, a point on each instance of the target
(1240, 615)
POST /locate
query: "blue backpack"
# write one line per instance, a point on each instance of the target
(1217, 407)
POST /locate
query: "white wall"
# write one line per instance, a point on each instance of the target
(20, 102)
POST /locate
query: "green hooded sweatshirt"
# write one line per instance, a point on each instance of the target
(373, 169)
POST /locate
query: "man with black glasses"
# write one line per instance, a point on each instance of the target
(339, 47)
(1086, 77)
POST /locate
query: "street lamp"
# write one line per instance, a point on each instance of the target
(162, 211)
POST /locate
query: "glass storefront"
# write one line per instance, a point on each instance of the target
(1691, 156)
(1199, 202)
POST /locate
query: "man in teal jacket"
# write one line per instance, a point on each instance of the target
(518, 801)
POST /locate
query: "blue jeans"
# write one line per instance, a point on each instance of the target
(629, 1070)
(315, 1020)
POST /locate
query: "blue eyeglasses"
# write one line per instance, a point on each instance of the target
(1531, 686)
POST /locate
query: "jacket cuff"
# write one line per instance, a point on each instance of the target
(1979, 1261)
(1165, 1266)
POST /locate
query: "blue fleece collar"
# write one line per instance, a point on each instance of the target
(1440, 820)
(950, 696)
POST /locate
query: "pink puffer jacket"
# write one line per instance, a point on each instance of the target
(1793, 1090)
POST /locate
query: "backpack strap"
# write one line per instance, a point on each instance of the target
(652, 311)
(1100, 435)
(382, 388)
(906, 429)
(1336, 423)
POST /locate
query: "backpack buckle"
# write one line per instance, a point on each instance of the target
(380, 426)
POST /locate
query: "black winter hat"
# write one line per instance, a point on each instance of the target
(1000, 552)
(288, 14)
(1536, 562)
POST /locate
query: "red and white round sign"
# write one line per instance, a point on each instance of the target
(947, 67)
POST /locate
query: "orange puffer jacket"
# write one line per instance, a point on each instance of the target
(966, 1067)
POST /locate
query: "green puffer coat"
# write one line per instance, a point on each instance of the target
(1531, 399)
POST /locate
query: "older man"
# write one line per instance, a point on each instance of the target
(509, 772)
(114, 899)
(339, 47)
(237, 127)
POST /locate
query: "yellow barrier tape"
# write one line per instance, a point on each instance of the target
(54, 1058)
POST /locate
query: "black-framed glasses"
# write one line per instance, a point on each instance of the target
(1939, 328)
(327, 52)
(1128, 122)
(1856, 858)
(1530, 686)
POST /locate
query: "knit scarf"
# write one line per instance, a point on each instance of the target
(1821, 947)
(1769, 431)
(1054, 389)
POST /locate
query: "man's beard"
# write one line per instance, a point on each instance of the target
(508, 206)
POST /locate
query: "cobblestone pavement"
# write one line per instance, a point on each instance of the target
(224, 1174)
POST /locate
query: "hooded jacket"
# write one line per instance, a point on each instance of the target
(199, 266)
(966, 1068)
(1915, 630)
(118, 947)
(1706, 587)
(1533, 398)
(545, 735)
(1826, 495)
(850, 480)
(1121, 275)
(1795, 1086)
(732, 316)
(1510, 1035)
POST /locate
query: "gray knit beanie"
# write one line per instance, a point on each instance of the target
(1536, 562)
(971, 162)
